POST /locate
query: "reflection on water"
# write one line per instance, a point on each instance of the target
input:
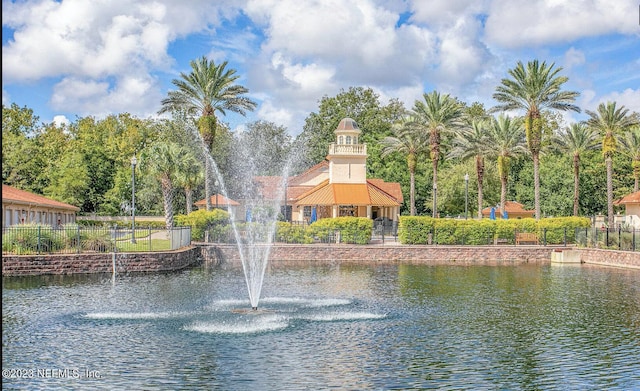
(343, 327)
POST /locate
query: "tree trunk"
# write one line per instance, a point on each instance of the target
(412, 192)
(536, 183)
(503, 192)
(609, 163)
(576, 183)
(167, 196)
(207, 181)
(188, 195)
(435, 187)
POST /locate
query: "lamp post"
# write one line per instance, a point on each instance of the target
(466, 195)
(134, 161)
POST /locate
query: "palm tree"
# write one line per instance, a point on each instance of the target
(160, 160)
(207, 89)
(471, 142)
(575, 140)
(533, 89)
(630, 146)
(609, 120)
(408, 139)
(437, 114)
(188, 175)
(506, 140)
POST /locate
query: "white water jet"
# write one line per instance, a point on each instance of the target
(256, 237)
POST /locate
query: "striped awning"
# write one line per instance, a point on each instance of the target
(359, 194)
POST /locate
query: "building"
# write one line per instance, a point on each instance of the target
(23, 207)
(220, 202)
(337, 186)
(515, 210)
(631, 204)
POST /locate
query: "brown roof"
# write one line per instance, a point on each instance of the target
(512, 207)
(11, 195)
(309, 173)
(346, 194)
(633, 198)
(221, 200)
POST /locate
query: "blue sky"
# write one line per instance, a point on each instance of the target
(75, 58)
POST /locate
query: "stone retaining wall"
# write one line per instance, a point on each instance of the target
(434, 255)
(287, 255)
(613, 258)
(24, 265)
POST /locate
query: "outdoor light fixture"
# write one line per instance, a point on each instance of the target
(134, 161)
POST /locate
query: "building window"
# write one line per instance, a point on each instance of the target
(340, 139)
(348, 210)
(348, 140)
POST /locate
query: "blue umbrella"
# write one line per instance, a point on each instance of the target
(492, 215)
(248, 216)
(505, 215)
(314, 215)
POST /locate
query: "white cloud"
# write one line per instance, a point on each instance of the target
(517, 23)
(573, 57)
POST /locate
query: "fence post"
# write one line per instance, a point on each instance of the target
(39, 238)
(78, 244)
(619, 237)
(150, 246)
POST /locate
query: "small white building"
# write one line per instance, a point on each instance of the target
(23, 207)
(631, 204)
(337, 186)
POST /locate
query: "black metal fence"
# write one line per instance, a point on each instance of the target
(75, 239)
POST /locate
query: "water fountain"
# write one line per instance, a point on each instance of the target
(255, 238)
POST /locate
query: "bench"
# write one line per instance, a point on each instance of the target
(526, 237)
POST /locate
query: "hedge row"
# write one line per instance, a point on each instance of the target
(423, 230)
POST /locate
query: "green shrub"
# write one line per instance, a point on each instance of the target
(289, 233)
(356, 230)
(98, 240)
(424, 229)
(216, 221)
(32, 238)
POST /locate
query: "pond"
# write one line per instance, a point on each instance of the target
(343, 327)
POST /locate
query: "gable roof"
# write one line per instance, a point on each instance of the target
(511, 207)
(11, 195)
(360, 194)
(633, 198)
(218, 199)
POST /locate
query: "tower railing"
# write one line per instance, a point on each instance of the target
(347, 149)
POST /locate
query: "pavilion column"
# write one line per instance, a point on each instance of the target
(368, 211)
(335, 211)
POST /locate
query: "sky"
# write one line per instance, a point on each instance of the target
(75, 58)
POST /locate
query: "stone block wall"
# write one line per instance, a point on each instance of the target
(23, 265)
(435, 255)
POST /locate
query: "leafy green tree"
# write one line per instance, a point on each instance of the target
(534, 88)
(362, 105)
(437, 114)
(575, 140)
(160, 161)
(630, 147)
(471, 142)
(267, 147)
(21, 159)
(506, 140)
(610, 121)
(408, 140)
(208, 89)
